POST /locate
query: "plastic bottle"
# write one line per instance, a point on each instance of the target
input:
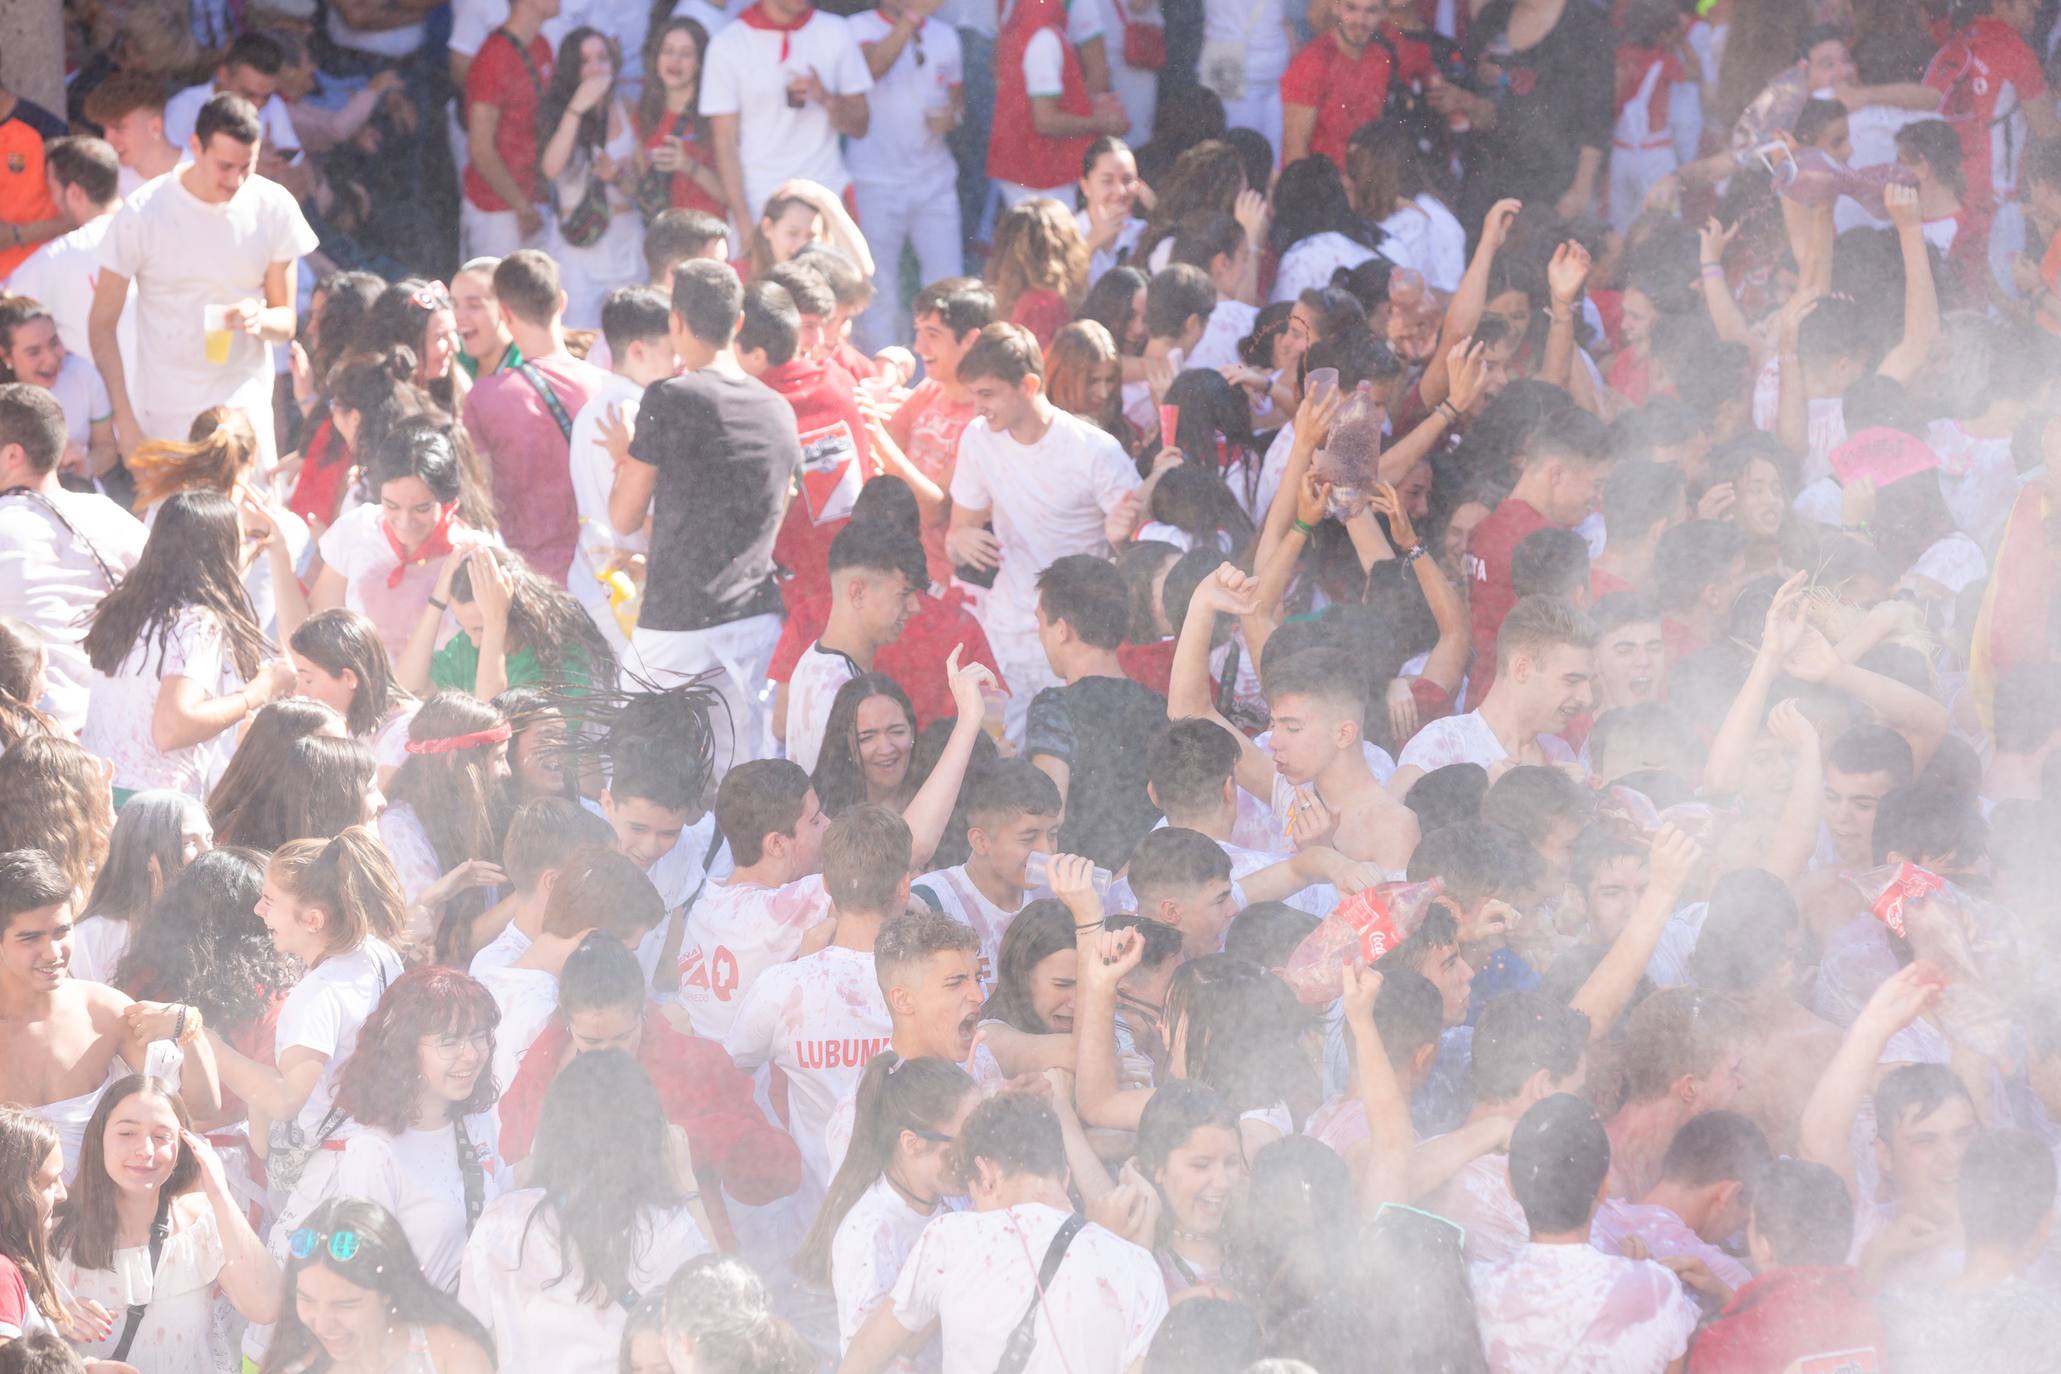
(1038, 867)
(1351, 457)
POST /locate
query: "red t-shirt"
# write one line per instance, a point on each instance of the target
(14, 1301)
(685, 191)
(1415, 63)
(498, 77)
(1489, 593)
(1983, 74)
(1346, 92)
(1603, 583)
(1151, 666)
(1790, 1315)
(927, 426)
(836, 462)
(1043, 313)
(916, 660)
(1678, 640)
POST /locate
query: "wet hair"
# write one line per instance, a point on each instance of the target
(188, 563)
(1475, 860)
(1692, 555)
(894, 1095)
(1926, 820)
(150, 825)
(57, 802)
(658, 744)
(909, 941)
(382, 1262)
(220, 448)
(1266, 933)
(1718, 1147)
(1742, 943)
(341, 640)
(381, 1082)
(1531, 799)
(1171, 857)
(1244, 1032)
(543, 617)
(1550, 562)
(1413, 1286)
(319, 786)
(1409, 1014)
(1042, 929)
(1187, 764)
(1908, 1093)
(256, 766)
(452, 795)
(1010, 789)
(1539, 623)
(351, 880)
(26, 1143)
(85, 1226)
(717, 1304)
(840, 779)
(1559, 1157)
(1448, 796)
(543, 834)
(1520, 1034)
(1014, 1132)
(1087, 594)
(203, 943)
(1676, 1032)
(1804, 1213)
(600, 1106)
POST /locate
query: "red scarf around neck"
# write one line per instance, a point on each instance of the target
(758, 18)
(436, 546)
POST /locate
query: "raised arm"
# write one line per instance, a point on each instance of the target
(1382, 1172)
(1795, 836)
(1824, 1132)
(1466, 367)
(1725, 765)
(1226, 591)
(1446, 664)
(1565, 276)
(1921, 295)
(1105, 958)
(930, 810)
(1463, 312)
(1609, 989)
(1910, 712)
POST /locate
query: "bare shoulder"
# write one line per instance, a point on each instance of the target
(454, 1352)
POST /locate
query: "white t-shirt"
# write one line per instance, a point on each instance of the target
(1468, 739)
(813, 686)
(182, 111)
(1258, 26)
(818, 1020)
(1047, 500)
(951, 890)
(980, 1066)
(1226, 328)
(976, 1272)
(510, 1281)
(98, 944)
(184, 254)
(49, 578)
(712, 17)
(1574, 1309)
(118, 725)
(82, 396)
(473, 21)
(61, 277)
(526, 997)
(1977, 476)
(867, 1253)
(501, 951)
(415, 858)
(746, 73)
(1309, 263)
(1425, 236)
(899, 146)
(735, 933)
(324, 1012)
(593, 473)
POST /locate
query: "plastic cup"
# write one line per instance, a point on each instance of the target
(1321, 381)
(214, 323)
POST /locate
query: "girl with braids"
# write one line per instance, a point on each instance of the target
(151, 1222)
(56, 801)
(335, 906)
(515, 628)
(413, 1128)
(156, 835)
(357, 1303)
(339, 661)
(385, 558)
(178, 658)
(218, 455)
(553, 1269)
(898, 1167)
(23, 665)
(439, 822)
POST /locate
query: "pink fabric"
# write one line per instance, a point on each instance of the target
(1666, 1237)
(1883, 455)
(1571, 1309)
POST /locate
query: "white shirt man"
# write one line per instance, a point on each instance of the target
(60, 276)
(747, 76)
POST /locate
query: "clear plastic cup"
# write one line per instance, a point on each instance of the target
(1037, 869)
(1321, 381)
(214, 323)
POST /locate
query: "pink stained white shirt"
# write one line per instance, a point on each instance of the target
(980, 1066)
(819, 1021)
(952, 891)
(735, 933)
(1478, 1197)
(1666, 1236)
(1468, 739)
(1571, 1309)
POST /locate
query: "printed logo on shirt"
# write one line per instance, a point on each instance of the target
(1843, 1362)
(837, 1054)
(717, 975)
(830, 472)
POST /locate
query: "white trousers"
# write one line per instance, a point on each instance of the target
(920, 214)
(739, 655)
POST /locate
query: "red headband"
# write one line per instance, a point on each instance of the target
(493, 734)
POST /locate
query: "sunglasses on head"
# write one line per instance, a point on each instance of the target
(432, 296)
(343, 1245)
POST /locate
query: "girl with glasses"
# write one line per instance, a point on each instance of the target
(413, 1128)
(895, 1173)
(357, 1303)
(150, 1228)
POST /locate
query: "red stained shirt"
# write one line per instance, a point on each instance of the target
(498, 77)
(1791, 1315)
(1345, 91)
(836, 462)
(916, 660)
(927, 427)
(1043, 313)
(1984, 74)
(1489, 593)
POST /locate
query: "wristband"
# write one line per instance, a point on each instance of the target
(1416, 552)
(1092, 925)
(179, 1025)
(1562, 316)
(1305, 526)
(1448, 410)
(1713, 269)
(440, 605)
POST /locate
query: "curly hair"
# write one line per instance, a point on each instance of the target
(543, 617)
(57, 801)
(21, 658)
(1037, 247)
(203, 943)
(380, 1083)
(452, 795)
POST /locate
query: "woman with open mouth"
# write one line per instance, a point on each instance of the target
(1189, 1150)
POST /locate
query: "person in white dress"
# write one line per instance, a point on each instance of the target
(360, 1305)
(156, 834)
(148, 1230)
(178, 659)
(553, 1269)
(896, 1172)
(588, 142)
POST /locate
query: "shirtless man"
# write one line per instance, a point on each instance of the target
(1317, 732)
(62, 1039)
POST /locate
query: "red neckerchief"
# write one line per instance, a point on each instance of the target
(757, 18)
(436, 546)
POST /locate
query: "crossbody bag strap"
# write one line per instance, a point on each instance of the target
(529, 63)
(50, 508)
(536, 379)
(473, 1172)
(133, 1322)
(666, 977)
(1017, 1352)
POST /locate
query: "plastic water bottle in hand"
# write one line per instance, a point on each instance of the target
(1037, 869)
(1351, 457)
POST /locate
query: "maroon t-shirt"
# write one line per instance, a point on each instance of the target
(1489, 593)
(518, 432)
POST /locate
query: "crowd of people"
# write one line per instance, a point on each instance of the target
(1076, 687)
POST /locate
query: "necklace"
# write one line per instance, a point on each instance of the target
(910, 1195)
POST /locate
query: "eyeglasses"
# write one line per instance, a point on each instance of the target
(343, 1245)
(935, 1137)
(449, 1047)
(1459, 1231)
(432, 296)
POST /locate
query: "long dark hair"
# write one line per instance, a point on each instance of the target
(26, 1142)
(1035, 934)
(189, 560)
(339, 640)
(1109, 301)
(1214, 413)
(565, 79)
(86, 1222)
(150, 825)
(651, 105)
(1177, 1110)
(382, 1263)
(380, 1083)
(1298, 1230)
(21, 651)
(1244, 1034)
(601, 1158)
(895, 1095)
(543, 616)
(436, 451)
(839, 779)
(453, 797)
(1310, 199)
(203, 943)
(260, 755)
(1413, 1288)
